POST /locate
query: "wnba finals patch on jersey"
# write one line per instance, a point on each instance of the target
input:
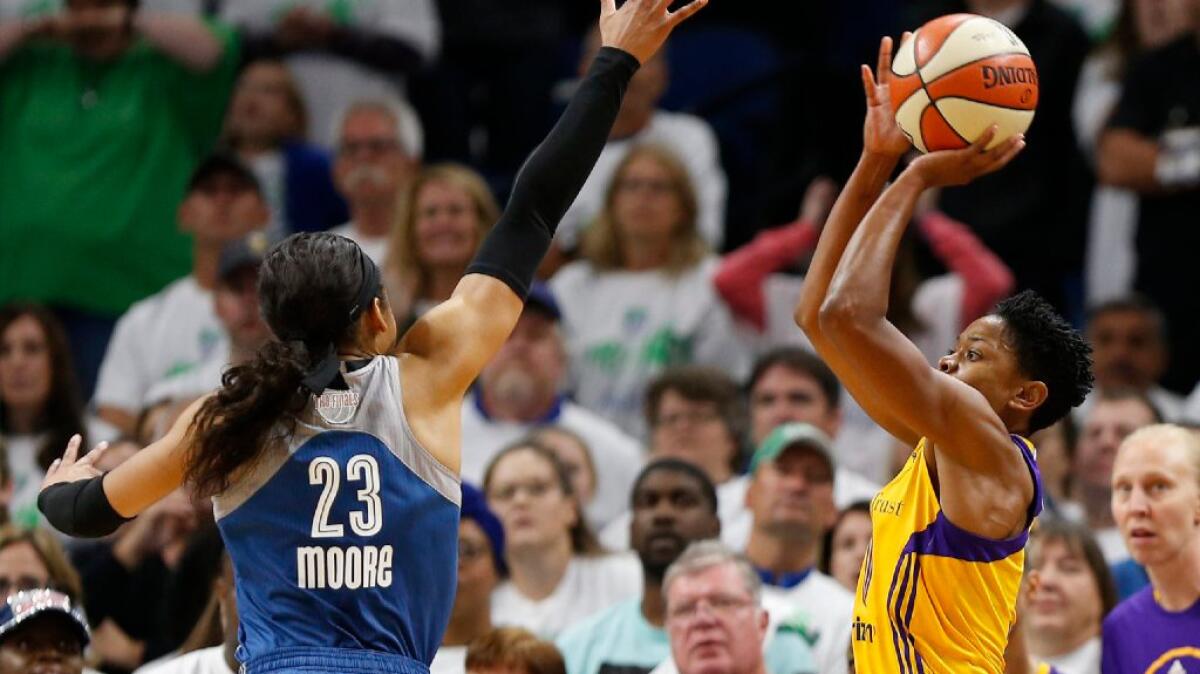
(337, 407)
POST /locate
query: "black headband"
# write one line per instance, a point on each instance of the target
(325, 370)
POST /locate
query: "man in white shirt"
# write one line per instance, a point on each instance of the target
(170, 332)
(791, 499)
(520, 390)
(641, 121)
(378, 154)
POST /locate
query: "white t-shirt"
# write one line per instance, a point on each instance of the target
(376, 247)
(27, 475)
(159, 338)
(590, 585)
(204, 661)
(328, 81)
(731, 510)
(623, 328)
(689, 137)
(861, 445)
(449, 660)
(202, 379)
(1083, 660)
(823, 611)
(616, 456)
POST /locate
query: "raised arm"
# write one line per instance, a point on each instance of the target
(458, 337)
(968, 435)
(883, 145)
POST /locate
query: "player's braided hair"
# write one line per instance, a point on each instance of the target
(1048, 350)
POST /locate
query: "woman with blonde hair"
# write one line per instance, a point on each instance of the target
(443, 218)
(641, 299)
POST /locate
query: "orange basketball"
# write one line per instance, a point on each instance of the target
(956, 76)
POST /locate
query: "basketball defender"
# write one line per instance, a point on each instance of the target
(333, 456)
(939, 584)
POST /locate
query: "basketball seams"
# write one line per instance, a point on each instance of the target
(987, 103)
(974, 62)
(925, 87)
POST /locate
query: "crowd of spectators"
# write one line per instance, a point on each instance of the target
(655, 453)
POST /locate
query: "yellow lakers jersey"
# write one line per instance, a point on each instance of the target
(932, 597)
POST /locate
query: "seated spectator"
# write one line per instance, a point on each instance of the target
(480, 568)
(33, 558)
(443, 218)
(1073, 592)
(87, 187)
(512, 650)
(715, 619)
(235, 303)
(640, 122)
(376, 159)
(1156, 503)
(847, 543)
(172, 331)
(340, 52)
(222, 657)
(1129, 351)
(641, 299)
(793, 384)
(1152, 146)
(42, 631)
(521, 390)
(696, 415)
(1112, 418)
(558, 573)
(791, 500)
(674, 504)
(267, 126)
(40, 406)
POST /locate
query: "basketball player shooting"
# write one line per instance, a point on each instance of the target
(940, 579)
(332, 457)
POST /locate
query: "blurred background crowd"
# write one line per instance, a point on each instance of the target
(656, 390)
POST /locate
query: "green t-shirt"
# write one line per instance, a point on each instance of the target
(94, 160)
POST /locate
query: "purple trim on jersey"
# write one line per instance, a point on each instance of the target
(1035, 505)
(942, 538)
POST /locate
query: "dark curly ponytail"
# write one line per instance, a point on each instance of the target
(312, 288)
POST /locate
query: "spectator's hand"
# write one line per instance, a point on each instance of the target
(302, 28)
(71, 468)
(959, 167)
(641, 26)
(881, 134)
(159, 529)
(818, 201)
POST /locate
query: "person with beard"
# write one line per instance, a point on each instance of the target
(521, 390)
(42, 632)
(674, 504)
(377, 157)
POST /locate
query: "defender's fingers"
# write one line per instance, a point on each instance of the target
(883, 64)
(94, 455)
(868, 81)
(608, 7)
(72, 452)
(684, 13)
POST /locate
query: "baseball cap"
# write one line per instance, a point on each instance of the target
(248, 251)
(788, 435)
(542, 299)
(25, 606)
(223, 161)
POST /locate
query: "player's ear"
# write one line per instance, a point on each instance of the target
(1030, 396)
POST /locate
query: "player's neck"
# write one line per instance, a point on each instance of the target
(1045, 643)
(780, 555)
(1176, 581)
(536, 572)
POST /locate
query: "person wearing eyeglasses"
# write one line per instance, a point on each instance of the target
(480, 568)
(377, 157)
(715, 619)
(558, 573)
(42, 632)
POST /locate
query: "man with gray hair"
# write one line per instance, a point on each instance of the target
(378, 154)
(715, 619)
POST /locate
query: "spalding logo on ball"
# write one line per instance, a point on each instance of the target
(956, 76)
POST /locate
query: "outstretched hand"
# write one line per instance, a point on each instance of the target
(959, 167)
(881, 134)
(641, 26)
(71, 468)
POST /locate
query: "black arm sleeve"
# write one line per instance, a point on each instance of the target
(80, 508)
(553, 175)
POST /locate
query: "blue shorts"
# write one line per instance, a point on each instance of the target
(333, 661)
